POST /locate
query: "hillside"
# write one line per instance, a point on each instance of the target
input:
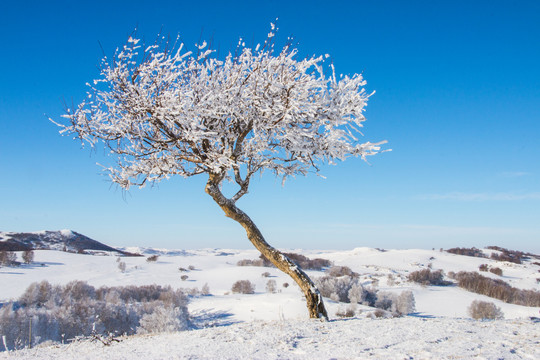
(62, 240)
(274, 325)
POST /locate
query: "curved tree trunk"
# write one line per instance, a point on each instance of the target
(314, 299)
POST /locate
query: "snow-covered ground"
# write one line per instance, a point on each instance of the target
(402, 338)
(266, 325)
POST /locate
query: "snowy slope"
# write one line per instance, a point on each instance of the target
(403, 338)
(65, 240)
(252, 323)
(217, 268)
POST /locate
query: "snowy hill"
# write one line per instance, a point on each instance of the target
(63, 240)
(274, 325)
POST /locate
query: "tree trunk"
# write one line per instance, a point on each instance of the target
(314, 299)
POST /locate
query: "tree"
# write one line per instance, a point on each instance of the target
(163, 112)
(28, 256)
(7, 258)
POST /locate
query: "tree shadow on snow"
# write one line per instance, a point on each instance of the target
(421, 315)
(11, 273)
(212, 318)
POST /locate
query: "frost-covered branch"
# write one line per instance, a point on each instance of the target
(162, 111)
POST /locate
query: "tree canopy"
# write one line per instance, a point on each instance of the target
(163, 111)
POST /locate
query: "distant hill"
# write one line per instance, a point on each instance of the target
(63, 240)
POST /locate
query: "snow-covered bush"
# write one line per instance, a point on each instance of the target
(346, 313)
(303, 261)
(385, 300)
(483, 310)
(428, 277)
(205, 290)
(308, 264)
(247, 262)
(8, 258)
(338, 271)
(271, 286)
(122, 266)
(152, 258)
(401, 304)
(497, 288)
(37, 294)
(28, 256)
(341, 288)
(405, 303)
(243, 287)
(60, 313)
(163, 319)
(348, 289)
(483, 267)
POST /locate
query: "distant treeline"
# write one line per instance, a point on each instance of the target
(513, 256)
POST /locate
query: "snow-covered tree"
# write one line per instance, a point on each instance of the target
(162, 111)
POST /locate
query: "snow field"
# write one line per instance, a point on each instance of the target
(408, 337)
(275, 326)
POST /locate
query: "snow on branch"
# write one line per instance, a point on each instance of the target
(163, 111)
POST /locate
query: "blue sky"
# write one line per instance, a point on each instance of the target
(457, 97)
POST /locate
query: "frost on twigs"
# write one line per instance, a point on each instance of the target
(164, 111)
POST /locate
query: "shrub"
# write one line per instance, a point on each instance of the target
(285, 285)
(483, 267)
(205, 290)
(28, 256)
(271, 286)
(428, 277)
(184, 277)
(257, 262)
(507, 255)
(163, 319)
(395, 304)
(191, 267)
(308, 264)
(347, 313)
(405, 303)
(152, 258)
(482, 310)
(60, 313)
(348, 289)
(379, 313)
(496, 271)
(302, 261)
(337, 271)
(243, 287)
(265, 274)
(467, 252)
(8, 258)
(37, 294)
(497, 289)
(337, 288)
(244, 262)
(385, 300)
(122, 266)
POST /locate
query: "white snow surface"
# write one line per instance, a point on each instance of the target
(275, 326)
(409, 338)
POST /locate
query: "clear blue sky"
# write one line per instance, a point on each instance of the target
(457, 96)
